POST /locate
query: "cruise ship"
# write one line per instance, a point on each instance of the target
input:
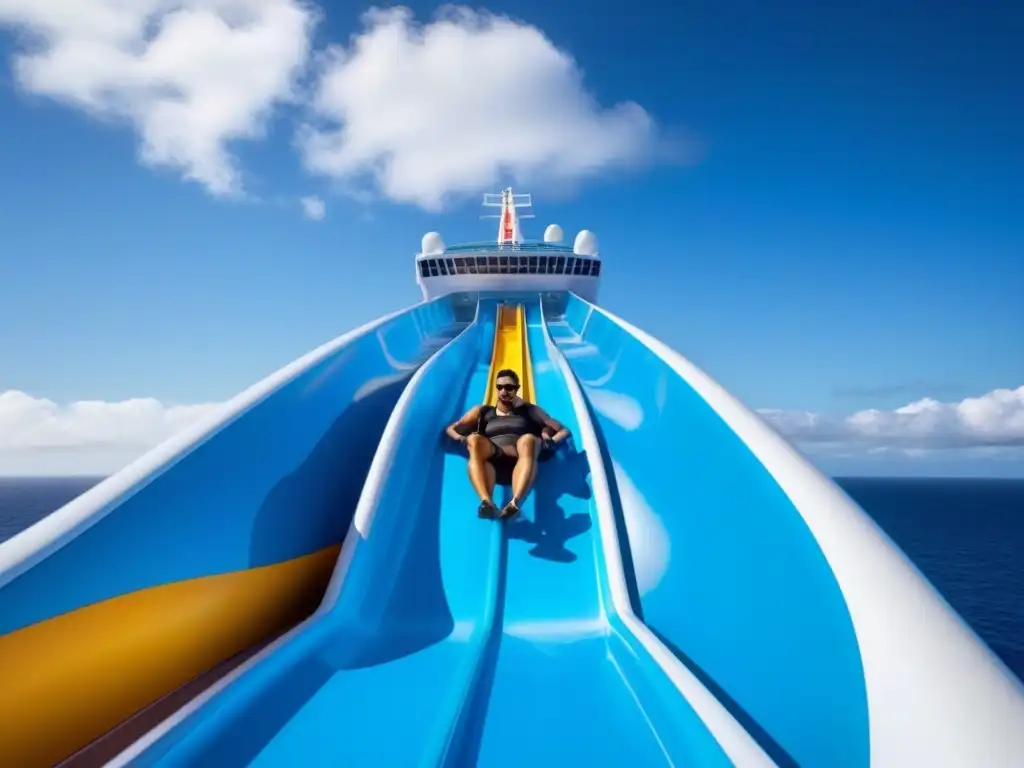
(303, 580)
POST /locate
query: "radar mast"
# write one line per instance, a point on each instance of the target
(509, 232)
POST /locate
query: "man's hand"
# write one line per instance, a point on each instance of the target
(453, 434)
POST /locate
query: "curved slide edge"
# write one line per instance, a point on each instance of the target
(27, 547)
(240, 517)
(731, 736)
(388, 638)
(936, 694)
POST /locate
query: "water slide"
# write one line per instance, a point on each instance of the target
(302, 579)
(447, 640)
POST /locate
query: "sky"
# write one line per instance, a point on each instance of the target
(820, 207)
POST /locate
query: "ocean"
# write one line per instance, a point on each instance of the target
(965, 535)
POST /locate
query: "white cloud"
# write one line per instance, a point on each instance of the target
(189, 75)
(991, 421)
(40, 436)
(452, 106)
(415, 112)
(313, 208)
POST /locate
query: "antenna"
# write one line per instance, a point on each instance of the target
(508, 229)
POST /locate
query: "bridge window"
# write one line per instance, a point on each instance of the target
(509, 265)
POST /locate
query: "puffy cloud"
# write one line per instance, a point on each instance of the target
(189, 75)
(38, 435)
(431, 110)
(313, 208)
(416, 112)
(991, 421)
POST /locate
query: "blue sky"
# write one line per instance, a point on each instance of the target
(824, 211)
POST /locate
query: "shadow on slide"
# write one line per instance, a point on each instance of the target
(552, 528)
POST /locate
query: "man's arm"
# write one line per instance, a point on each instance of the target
(553, 429)
(458, 430)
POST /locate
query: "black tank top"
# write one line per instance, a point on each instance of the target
(523, 420)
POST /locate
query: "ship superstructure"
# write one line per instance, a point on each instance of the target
(510, 262)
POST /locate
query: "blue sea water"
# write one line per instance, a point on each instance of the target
(965, 535)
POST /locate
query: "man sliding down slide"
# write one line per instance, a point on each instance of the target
(512, 437)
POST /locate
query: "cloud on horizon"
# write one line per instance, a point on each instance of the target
(395, 113)
(994, 420)
(39, 436)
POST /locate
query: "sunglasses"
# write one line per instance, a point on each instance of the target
(507, 387)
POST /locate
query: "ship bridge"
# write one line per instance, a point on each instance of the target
(509, 263)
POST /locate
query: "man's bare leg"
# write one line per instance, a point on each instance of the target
(525, 472)
(481, 471)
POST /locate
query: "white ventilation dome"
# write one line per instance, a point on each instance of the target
(553, 234)
(586, 243)
(432, 244)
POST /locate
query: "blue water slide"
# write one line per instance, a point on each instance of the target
(382, 674)
(570, 681)
(449, 640)
(118, 607)
(273, 475)
(767, 582)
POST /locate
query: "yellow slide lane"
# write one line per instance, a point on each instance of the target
(511, 350)
(67, 680)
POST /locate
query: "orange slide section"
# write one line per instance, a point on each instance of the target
(66, 681)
